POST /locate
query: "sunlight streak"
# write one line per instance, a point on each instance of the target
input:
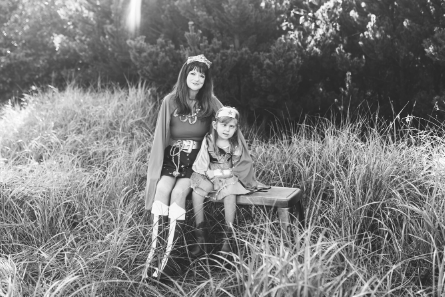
(134, 17)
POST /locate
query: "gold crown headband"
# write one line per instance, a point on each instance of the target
(227, 112)
(199, 58)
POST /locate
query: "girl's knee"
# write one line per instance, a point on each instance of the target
(198, 194)
(206, 186)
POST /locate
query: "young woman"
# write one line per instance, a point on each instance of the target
(183, 120)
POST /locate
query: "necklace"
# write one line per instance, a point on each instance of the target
(191, 118)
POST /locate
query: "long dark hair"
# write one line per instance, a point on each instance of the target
(180, 90)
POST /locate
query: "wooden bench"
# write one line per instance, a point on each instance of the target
(287, 201)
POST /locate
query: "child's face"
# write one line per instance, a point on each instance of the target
(225, 130)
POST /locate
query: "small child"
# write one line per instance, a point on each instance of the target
(223, 165)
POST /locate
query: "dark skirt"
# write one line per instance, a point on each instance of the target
(184, 159)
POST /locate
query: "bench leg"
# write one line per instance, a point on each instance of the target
(284, 216)
(299, 214)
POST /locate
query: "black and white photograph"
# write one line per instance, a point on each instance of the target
(222, 148)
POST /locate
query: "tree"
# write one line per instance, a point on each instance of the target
(330, 55)
(380, 45)
(28, 50)
(227, 32)
(99, 38)
(286, 58)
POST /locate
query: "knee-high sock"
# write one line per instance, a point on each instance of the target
(158, 209)
(176, 213)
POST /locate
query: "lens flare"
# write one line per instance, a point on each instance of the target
(134, 17)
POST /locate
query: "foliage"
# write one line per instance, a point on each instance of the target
(28, 53)
(435, 47)
(277, 58)
(276, 77)
(379, 43)
(231, 46)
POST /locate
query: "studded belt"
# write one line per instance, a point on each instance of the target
(185, 145)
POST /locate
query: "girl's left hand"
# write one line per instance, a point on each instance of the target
(210, 174)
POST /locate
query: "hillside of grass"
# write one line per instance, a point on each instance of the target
(72, 223)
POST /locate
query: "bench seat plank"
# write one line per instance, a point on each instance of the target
(285, 200)
(279, 197)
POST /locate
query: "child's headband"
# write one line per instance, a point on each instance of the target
(227, 112)
(199, 58)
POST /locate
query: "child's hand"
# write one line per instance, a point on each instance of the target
(210, 174)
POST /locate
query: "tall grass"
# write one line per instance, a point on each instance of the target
(72, 175)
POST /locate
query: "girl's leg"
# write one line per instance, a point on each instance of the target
(229, 213)
(201, 229)
(170, 266)
(230, 209)
(205, 187)
(198, 207)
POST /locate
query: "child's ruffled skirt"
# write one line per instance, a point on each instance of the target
(222, 186)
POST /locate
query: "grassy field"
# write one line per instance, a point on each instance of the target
(72, 176)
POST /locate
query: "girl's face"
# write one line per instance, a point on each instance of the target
(195, 79)
(225, 130)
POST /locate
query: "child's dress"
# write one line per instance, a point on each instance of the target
(225, 183)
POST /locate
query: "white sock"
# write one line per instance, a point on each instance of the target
(176, 212)
(159, 209)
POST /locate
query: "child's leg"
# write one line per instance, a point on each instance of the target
(198, 207)
(230, 209)
(229, 212)
(198, 196)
